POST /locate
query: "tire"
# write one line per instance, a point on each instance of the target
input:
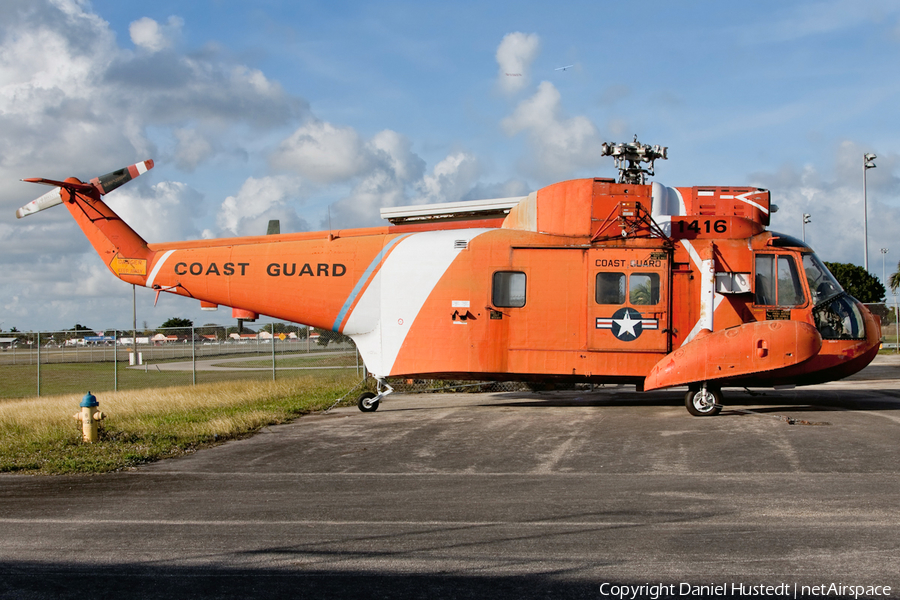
(703, 406)
(365, 402)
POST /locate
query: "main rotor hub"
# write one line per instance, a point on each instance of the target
(630, 155)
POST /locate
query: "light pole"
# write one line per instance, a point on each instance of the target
(883, 280)
(806, 220)
(867, 164)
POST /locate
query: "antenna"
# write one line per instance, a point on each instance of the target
(629, 156)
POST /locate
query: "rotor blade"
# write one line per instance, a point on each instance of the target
(51, 198)
(107, 183)
(102, 185)
(77, 187)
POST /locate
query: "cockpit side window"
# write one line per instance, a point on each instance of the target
(822, 284)
(777, 281)
(790, 290)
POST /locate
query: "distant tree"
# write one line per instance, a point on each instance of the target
(80, 331)
(326, 336)
(212, 329)
(641, 294)
(894, 279)
(856, 281)
(176, 322)
(234, 329)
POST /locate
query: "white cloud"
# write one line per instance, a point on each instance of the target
(257, 202)
(801, 20)
(380, 169)
(74, 102)
(323, 153)
(400, 181)
(57, 290)
(559, 145)
(391, 168)
(450, 180)
(164, 212)
(383, 171)
(150, 35)
(192, 148)
(394, 152)
(71, 97)
(514, 56)
(834, 199)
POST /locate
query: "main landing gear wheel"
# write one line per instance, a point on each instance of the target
(703, 402)
(367, 402)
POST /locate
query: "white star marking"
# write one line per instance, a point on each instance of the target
(626, 324)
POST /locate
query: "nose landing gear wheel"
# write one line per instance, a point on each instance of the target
(704, 402)
(367, 402)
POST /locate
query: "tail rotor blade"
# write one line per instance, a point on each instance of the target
(51, 198)
(103, 184)
(107, 183)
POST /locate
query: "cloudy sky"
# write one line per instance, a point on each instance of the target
(310, 111)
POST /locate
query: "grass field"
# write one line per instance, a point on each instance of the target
(20, 381)
(39, 435)
(301, 360)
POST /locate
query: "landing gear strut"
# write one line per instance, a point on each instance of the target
(703, 402)
(369, 401)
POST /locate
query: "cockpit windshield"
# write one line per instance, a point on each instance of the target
(836, 313)
(822, 284)
(839, 318)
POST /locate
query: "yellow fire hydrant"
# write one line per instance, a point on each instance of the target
(90, 418)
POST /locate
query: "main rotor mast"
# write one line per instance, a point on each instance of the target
(630, 155)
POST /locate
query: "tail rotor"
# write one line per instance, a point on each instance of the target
(99, 186)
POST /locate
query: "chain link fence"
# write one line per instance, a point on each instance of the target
(62, 362)
(57, 362)
(890, 323)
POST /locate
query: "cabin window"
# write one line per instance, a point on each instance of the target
(610, 288)
(777, 281)
(509, 289)
(643, 288)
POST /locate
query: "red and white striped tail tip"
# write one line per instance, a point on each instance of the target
(141, 167)
(107, 183)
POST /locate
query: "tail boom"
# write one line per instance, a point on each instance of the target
(123, 251)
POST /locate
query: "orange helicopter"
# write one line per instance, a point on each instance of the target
(589, 280)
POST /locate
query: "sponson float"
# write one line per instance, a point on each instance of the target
(589, 280)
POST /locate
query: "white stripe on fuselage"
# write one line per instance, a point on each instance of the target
(157, 267)
(382, 318)
(698, 264)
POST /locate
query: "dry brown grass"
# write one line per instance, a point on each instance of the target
(40, 435)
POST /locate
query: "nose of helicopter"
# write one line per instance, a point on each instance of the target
(846, 357)
(873, 331)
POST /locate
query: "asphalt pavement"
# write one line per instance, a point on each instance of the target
(564, 494)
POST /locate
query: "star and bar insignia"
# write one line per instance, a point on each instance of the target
(627, 324)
